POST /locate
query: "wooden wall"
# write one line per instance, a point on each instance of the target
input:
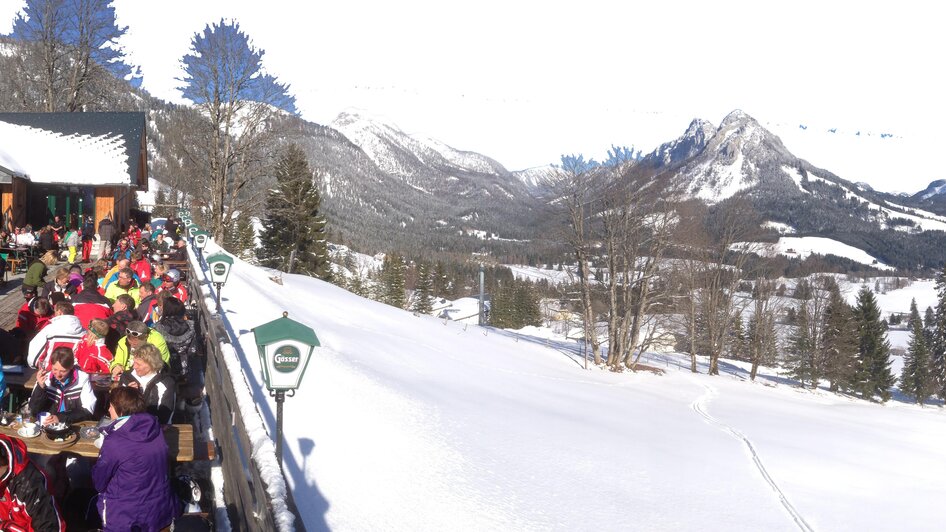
(6, 206)
(116, 202)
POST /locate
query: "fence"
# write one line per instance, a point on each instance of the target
(248, 503)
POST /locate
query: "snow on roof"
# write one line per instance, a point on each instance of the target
(44, 156)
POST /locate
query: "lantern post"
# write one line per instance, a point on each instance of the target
(284, 347)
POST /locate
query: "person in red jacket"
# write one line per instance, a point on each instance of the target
(92, 355)
(141, 266)
(171, 282)
(25, 500)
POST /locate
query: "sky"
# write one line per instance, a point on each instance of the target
(527, 81)
(444, 425)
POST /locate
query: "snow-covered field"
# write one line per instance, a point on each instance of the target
(408, 422)
(802, 247)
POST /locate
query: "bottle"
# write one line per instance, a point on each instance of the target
(19, 419)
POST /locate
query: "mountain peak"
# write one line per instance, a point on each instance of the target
(737, 117)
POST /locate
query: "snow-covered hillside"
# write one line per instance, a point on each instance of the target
(408, 422)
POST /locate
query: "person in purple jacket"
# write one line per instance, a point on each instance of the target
(131, 474)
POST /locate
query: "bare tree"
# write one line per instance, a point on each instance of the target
(732, 227)
(241, 103)
(575, 190)
(638, 219)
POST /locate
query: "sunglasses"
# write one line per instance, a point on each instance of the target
(134, 334)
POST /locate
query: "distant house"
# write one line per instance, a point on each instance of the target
(71, 164)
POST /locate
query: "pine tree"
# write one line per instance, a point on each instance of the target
(392, 281)
(873, 377)
(916, 379)
(938, 343)
(241, 238)
(527, 306)
(423, 290)
(801, 349)
(160, 209)
(839, 340)
(293, 220)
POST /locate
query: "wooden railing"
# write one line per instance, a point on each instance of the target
(247, 501)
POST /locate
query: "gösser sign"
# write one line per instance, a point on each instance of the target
(285, 347)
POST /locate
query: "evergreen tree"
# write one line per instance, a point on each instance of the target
(916, 379)
(241, 238)
(423, 290)
(527, 306)
(293, 220)
(160, 209)
(938, 343)
(502, 312)
(873, 377)
(393, 280)
(801, 350)
(839, 340)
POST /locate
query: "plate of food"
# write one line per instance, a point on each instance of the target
(62, 441)
(58, 430)
(90, 433)
(28, 430)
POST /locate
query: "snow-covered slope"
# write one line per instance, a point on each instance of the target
(400, 154)
(410, 422)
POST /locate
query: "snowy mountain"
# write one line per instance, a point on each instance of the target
(386, 189)
(403, 155)
(936, 188)
(741, 158)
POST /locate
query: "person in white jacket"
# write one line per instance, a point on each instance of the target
(64, 329)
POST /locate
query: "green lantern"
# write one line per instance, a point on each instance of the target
(285, 347)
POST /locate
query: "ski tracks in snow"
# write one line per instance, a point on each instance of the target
(699, 406)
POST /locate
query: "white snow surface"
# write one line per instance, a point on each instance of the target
(408, 422)
(47, 157)
(803, 246)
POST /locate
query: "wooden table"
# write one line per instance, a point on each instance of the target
(180, 440)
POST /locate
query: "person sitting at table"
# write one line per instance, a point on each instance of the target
(60, 283)
(123, 251)
(63, 390)
(161, 244)
(64, 329)
(178, 252)
(131, 473)
(159, 387)
(26, 502)
(43, 311)
(25, 238)
(126, 284)
(123, 313)
(26, 317)
(149, 301)
(136, 335)
(5, 240)
(179, 334)
(141, 266)
(89, 304)
(159, 270)
(171, 282)
(92, 355)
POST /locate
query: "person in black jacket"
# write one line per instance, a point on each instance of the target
(25, 500)
(159, 388)
(106, 234)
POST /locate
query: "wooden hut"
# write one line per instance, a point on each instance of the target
(71, 164)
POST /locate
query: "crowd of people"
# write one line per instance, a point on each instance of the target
(122, 317)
